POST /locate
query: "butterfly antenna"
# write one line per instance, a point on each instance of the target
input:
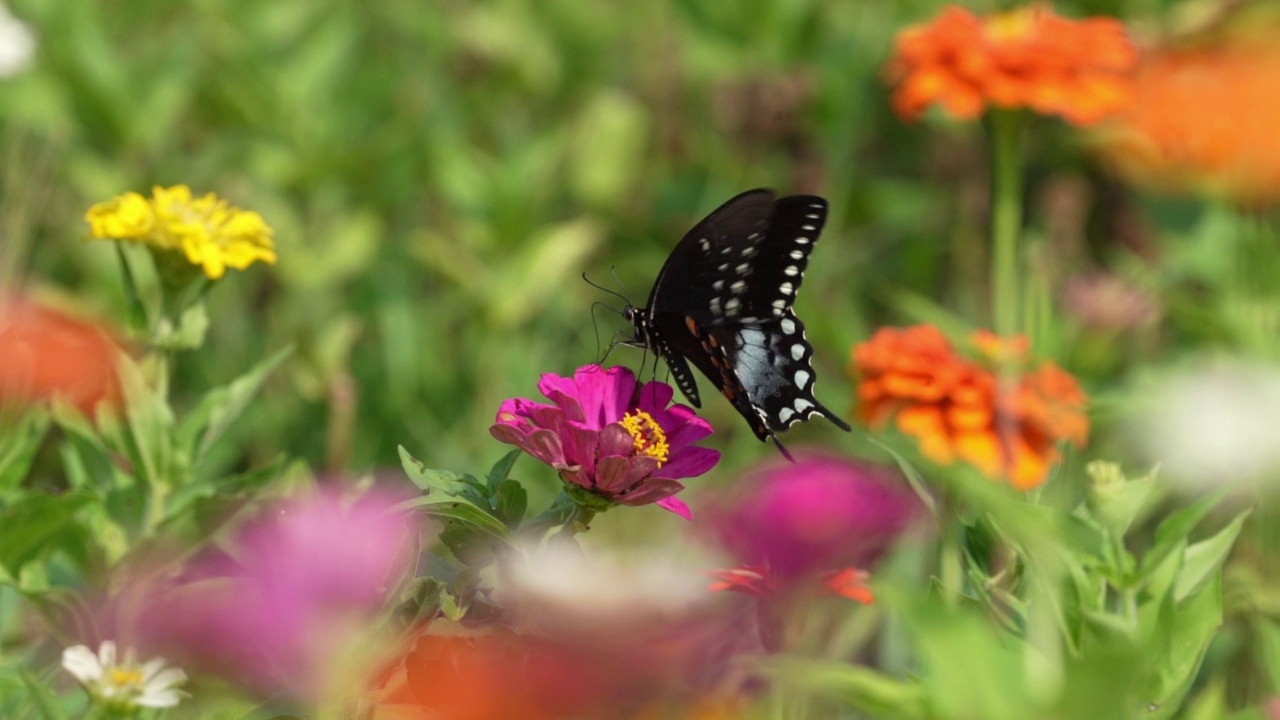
(618, 295)
(613, 270)
(596, 327)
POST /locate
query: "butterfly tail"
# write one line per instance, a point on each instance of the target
(782, 448)
(834, 418)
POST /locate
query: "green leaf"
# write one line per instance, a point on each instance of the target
(1188, 629)
(502, 469)
(29, 525)
(428, 480)
(1267, 633)
(42, 697)
(422, 603)
(978, 687)
(449, 511)
(238, 394)
(859, 687)
(510, 503)
(1210, 703)
(136, 314)
(1172, 533)
(150, 422)
(18, 446)
(912, 475)
(1203, 559)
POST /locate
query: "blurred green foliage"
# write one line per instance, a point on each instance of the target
(439, 174)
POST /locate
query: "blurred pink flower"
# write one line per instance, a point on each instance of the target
(811, 519)
(605, 435)
(306, 579)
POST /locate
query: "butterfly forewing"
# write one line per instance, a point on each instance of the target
(757, 277)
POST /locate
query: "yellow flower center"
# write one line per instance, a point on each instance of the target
(649, 438)
(125, 676)
(1012, 26)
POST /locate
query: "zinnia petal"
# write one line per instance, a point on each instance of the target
(689, 462)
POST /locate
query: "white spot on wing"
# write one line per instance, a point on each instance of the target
(802, 378)
(731, 307)
(792, 271)
(787, 288)
(797, 254)
(743, 269)
(797, 351)
(802, 240)
(717, 285)
(785, 414)
(802, 405)
(738, 286)
(808, 227)
(779, 306)
(788, 326)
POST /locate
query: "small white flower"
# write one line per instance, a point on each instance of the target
(124, 684)
(17, 44)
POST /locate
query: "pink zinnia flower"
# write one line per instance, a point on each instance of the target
(306, 581)
(815, 518)
(605, 435)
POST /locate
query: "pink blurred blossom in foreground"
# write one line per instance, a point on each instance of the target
(790, 522)
(813, 526)
(301, 584)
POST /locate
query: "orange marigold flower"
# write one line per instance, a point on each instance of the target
(44, 353)
(961, 409)
(1204, 117)
(1024, 58)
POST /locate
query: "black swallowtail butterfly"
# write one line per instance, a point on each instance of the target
(723, 301)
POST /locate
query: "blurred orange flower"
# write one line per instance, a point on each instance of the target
(1028, 57)
(1204, 117)
(44, 353)
(958, 408)
(505, 675)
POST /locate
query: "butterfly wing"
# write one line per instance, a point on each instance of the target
(686, 285)
(723, 300)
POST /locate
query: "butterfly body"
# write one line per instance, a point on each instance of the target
(723, 302)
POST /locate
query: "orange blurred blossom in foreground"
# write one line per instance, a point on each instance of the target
(958, 408)
(1204, 117)
(504, 675)
(1024, 58)
(44, 353)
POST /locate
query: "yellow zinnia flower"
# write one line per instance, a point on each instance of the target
(210, 232)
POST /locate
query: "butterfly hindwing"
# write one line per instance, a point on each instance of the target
(773, 361)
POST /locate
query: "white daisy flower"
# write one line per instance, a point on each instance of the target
(17, 44)
(124, 684)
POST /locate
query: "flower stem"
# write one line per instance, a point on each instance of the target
(1006, 217)
(136, 313)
